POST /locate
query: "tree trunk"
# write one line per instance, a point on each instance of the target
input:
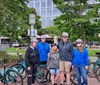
(84, 39)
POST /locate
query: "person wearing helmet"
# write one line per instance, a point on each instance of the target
(53, 63)
(65, 52)
(32, 61)
(43, 48)
(80, 61)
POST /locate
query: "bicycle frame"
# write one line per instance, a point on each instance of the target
(4, 74)
(97, 63)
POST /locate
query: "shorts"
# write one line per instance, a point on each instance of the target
(54, 71)
(65, 66)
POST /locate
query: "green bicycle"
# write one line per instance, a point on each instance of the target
(10, 76)
(93, 66)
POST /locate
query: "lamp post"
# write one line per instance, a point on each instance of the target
(32, 32)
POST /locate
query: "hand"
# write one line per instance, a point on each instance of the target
(48, 54)
(29, 68)
(86, 67)
(70, 63)
(72, 67)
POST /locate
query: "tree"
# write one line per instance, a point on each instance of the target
(76, 20)
(14, 18)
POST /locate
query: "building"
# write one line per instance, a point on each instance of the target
(46, 9)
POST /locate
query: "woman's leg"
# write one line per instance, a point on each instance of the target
(78, 74)
(34, 73)
(84, 76)
(52, 72)
(29, 77)
(52, 79)
(57, 75)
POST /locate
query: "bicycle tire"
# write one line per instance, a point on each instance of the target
(42, 78)
(73, 78)
(98, 73)
(91, 71)
(22, 71)
(13, 78)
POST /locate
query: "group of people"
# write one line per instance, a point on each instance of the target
(59, 59)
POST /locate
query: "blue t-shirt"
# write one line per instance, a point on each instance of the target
(80, 58)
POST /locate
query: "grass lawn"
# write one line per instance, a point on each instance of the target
(15, 50)
(92, 52)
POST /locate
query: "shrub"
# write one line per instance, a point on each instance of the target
(4, 57)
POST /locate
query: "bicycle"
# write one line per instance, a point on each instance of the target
(93, 66)
(10, 76)
(43, 79)
(98, 70)
(21, 66)
(22, 69)
(42, 75)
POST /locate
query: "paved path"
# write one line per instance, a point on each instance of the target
(92, 81)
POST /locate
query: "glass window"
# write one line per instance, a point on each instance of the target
(43, 4)
(43, 20)
(56, 12)
(31, 4)
(37, 4)
(49, 3)
(43, 12)
(49, 12)
(38, 12)
(49, 21)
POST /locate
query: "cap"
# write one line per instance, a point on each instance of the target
(54, 44)
(43, 36)
(79, 40)
(34, 40)
(65, 34)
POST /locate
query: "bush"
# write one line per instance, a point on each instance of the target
(4, 57)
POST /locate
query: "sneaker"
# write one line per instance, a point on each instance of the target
(55, 83)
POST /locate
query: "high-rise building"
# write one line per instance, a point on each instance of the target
(46, 9)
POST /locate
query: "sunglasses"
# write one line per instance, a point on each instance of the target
(78, 43)
(65, 37)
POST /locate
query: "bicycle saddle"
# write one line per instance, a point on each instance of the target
(5, 64)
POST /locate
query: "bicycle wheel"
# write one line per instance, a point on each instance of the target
(43, 75)
(74, 78)
(98, 73)
(21, 70)
(12, 78)
(91, 70)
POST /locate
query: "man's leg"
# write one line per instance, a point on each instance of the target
(67, 68)
(68, 77)
(61, 72)
(62, 77)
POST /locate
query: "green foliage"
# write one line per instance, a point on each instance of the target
(14, 18)
(74, 21)
(4, 57)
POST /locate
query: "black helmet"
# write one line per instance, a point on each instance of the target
(54, 44)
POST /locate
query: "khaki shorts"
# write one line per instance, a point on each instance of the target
(65, 66)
